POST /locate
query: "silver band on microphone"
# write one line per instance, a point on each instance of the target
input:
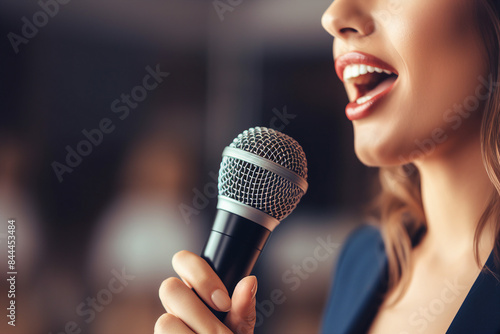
(246, 211)
(268, 165)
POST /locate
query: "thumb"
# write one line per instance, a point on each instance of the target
(241, 318)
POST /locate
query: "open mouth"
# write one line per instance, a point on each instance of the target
(369, 75)
(369, 81)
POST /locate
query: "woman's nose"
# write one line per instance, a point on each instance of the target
(346, 19)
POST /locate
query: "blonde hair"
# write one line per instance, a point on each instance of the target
(399, 204)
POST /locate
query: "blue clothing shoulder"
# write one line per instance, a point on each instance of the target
(361, 282)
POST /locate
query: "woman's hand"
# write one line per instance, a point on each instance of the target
(186, 313)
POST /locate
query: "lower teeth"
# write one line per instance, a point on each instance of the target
(363, 99)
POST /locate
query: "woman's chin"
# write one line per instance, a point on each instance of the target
(370, 161)
(378, 156)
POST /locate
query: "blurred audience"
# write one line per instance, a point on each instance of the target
(16, 202)
(142, 228)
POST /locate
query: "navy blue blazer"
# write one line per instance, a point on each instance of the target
(361, 281)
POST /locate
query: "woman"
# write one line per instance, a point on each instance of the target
(422, 78)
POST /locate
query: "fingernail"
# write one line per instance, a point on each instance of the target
(254, 288)
(221, 300)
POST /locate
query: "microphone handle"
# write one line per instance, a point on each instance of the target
(233, 247)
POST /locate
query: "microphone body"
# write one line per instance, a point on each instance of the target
(261, 180)
(233, 247)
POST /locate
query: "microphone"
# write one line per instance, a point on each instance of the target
(262, 177)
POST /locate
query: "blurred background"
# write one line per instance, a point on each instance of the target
(114, 115)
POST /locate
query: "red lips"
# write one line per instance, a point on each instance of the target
(361, 108)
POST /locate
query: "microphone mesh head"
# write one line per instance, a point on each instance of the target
(257, 187)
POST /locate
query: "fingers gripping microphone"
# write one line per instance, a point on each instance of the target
(262, 177)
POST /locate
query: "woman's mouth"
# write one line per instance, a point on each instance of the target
(370, 79)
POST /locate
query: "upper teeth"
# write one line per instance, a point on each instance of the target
(355, 70)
